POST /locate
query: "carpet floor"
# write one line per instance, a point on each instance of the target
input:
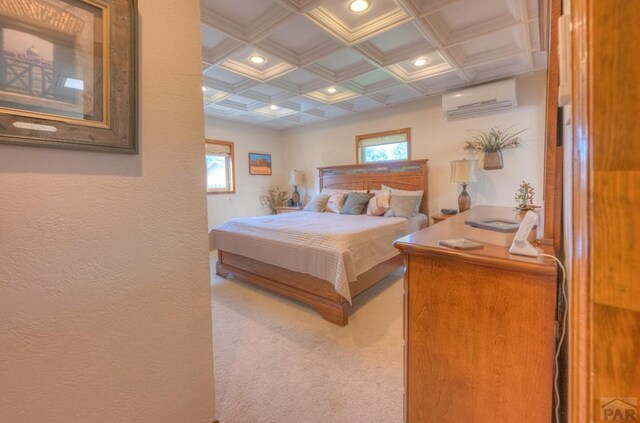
(278, 361)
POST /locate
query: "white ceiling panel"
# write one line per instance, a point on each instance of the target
(499, 68)
(408, 71)
(359, 104)
(439, 84)
(300, 41)
(372, 82)
(395, 45)
(467, 19)
(504, 42)
(332, 94)
(224, 75)
(398, 94)
(369, 58)
(335, 17)
(425, 7)
(341, 65)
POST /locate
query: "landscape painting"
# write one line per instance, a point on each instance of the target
(259, 164)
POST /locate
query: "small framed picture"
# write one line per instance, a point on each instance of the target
(67, 74)
(259, 164)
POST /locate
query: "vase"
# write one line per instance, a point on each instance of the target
(492, 160)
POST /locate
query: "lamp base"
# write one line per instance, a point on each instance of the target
(295, 196)
(464, 200)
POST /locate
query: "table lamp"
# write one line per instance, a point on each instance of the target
(463, 172)
(296, 178)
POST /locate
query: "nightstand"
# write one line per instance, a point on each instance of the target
(280, 210)
(440, 217)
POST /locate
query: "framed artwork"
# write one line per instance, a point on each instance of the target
(259, 164)
(68, 74)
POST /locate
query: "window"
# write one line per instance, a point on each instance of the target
(220, 167)
(384, 146)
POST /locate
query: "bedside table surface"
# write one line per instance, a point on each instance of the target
(287, 209)
(440, 217)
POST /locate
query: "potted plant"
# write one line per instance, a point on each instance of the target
(524, 196)
(492, 143)
(274, 198)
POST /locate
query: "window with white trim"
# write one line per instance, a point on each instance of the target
(220, 167)
(384, 146)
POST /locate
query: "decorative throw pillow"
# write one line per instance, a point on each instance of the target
(355, 203)
(409, 193)
(336, 201)
(403, 206)
(379, 204)
(317, 204)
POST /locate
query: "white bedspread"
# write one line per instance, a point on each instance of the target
(333, 247)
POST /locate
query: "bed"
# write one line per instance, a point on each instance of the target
(323, 259)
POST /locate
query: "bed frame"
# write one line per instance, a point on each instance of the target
(319, 293)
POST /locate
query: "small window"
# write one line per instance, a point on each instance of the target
(384, 146)
(220, 167)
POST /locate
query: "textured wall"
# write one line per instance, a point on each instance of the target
(246, 139)
(435, 138)
(104, 285)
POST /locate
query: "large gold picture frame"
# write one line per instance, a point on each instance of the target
(68, 72)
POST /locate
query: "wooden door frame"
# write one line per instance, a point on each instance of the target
(581, 301)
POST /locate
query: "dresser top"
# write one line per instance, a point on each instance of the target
(425, 242)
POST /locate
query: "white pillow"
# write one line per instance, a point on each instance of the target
(418, 193)
(336, 201)
(379, 203)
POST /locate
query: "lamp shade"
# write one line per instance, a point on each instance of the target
(296, 177)
(463, 171)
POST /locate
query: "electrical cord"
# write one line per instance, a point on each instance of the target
(563, 329)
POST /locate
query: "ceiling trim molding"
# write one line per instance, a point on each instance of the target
(324, 18)
(217, 22)
(331, 98)
(222, 51)
(275, 71)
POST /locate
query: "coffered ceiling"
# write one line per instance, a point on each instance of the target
(320, 60)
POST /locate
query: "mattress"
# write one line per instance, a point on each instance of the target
(329, 246)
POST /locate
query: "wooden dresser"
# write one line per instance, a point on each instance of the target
(479, 329)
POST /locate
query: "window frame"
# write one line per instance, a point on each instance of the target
(359, 138)
(231, 159)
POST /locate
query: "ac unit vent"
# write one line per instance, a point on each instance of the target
(480, 100)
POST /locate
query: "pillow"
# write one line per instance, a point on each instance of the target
(336, 201)
(403, 206)
(317, 204)
(355, 203)
(403, 192)
(379, 204)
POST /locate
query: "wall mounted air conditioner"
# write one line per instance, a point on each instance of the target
(478, 100)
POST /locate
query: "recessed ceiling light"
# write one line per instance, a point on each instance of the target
(331, 90)
(273, 107)
(204, 89)
(258, 60)
(420, 62)
(359, 6)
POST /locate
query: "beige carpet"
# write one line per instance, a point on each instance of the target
(277, 361)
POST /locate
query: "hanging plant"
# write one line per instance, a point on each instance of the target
(492, 143)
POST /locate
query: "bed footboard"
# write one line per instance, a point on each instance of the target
(316, 292)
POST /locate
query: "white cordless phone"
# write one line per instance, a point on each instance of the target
(521, 245)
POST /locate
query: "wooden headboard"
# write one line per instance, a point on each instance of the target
(409, 175)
